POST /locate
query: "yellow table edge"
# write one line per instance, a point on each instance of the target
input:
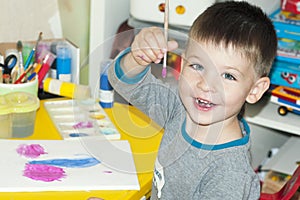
(143, 135)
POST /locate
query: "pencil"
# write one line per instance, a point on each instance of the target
(166, 24)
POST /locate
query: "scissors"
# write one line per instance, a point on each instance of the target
(9, 63)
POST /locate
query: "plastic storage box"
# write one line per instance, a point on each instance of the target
(287, 31)
(285, 74)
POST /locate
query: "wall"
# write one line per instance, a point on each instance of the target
(75, 19)
(24, 20)
(106, 16)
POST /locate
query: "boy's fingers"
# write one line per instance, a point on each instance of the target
(161, 43)
(153, 40)
(140, 57)
(150, 45)
(172, 45)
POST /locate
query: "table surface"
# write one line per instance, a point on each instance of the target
(143, 135)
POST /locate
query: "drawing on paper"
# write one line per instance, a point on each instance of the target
(30, 151)
(66, 165)
(44, 173)
(50, 169)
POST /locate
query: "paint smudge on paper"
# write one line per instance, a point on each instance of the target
(87, 124)
(70, 163)
(44, 173)
(31, 150)
(78, 134)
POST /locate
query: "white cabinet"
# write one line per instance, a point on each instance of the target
(268, 128)
(105, 19)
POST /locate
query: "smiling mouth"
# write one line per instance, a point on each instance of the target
(204, 103)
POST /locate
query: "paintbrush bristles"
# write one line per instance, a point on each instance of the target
(19, 46)
(21, 67)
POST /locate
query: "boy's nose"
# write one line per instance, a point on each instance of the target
(207, 81)
(204, 85)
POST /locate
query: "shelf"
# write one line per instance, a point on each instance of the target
(264, 113)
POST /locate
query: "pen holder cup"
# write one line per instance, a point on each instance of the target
(17, 114)
(29, 87)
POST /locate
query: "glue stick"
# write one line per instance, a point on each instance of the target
(106, 92)
(66, 89)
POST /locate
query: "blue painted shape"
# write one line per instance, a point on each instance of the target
(78, 134)
(69, 163)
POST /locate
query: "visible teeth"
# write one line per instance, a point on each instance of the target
(205, 103)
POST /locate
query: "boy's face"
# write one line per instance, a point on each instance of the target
(215, 82)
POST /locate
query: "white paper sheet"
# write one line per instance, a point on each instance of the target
(15, 156)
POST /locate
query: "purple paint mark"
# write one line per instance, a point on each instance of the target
(31, 150)
(44, 173)
(87, 124)
(107, 172)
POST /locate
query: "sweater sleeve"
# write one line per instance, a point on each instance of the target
(156, 99)
(120, 73)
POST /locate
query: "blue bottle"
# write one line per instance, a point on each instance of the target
(106, 92)
(63, 62)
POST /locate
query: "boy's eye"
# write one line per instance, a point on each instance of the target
(229, 76)
(197, 67)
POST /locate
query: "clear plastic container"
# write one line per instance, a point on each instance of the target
(5, 119)
(18, 114)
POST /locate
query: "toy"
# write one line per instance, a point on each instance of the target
(287, 98)
(292, 6)
(291, 9)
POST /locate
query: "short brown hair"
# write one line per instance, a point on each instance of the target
(243, 26)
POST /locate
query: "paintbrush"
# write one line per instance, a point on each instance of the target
(1, 75)
(21, 67)
(20, 79)
(14, 74)
(27, 63)
(166, 24)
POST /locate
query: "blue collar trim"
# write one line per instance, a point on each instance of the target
(234, 143)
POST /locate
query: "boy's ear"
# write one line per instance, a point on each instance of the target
(258, 89)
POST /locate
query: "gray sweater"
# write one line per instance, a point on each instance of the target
(185, 168)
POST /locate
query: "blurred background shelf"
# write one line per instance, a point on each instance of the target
(264, 113)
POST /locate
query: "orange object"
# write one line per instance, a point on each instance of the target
(180, 10)
(37, 68)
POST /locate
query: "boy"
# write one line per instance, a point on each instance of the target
(204, 153)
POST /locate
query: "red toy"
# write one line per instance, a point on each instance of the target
(287, 98)
(287, 191)
(292, 6)
(291, 9)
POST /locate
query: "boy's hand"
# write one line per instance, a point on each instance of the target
(149, 46)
